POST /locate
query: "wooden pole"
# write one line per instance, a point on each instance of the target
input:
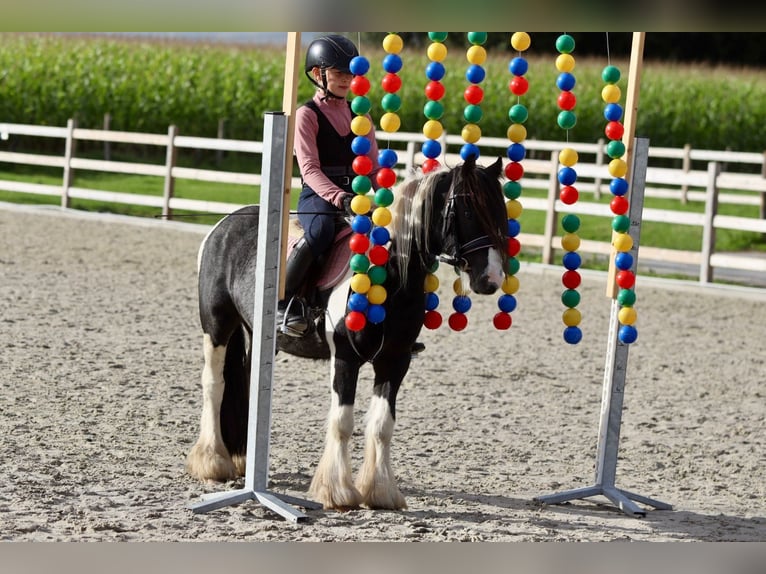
(631, 111)
(289, 99)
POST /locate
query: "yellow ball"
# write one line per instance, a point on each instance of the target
(571, 317)
(520, 41)
(476, 55)
(622, 242)
(517, 133)
(360, 125)
(565, 63)
(390, 122)
(437, 51)
(510, 284)
(457, 287)
(513, 209)
(360, 283)
(611, 94)
(393, 43)
(361, 204)
(376, 294)
(433, 129)
(627, 315)
(570, 241)
(381, 216)
(618, 168)
(568, 157)
(431, 283)
(471, 133)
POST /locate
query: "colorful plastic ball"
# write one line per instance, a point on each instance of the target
(437, 36)
(506, 303)
(502, 321)
(567, 175)
(614, 130)
(473, 113)
(432, 301)
(618, 168)
(360, 283)
(376, 295)
(572, 335)
(359, 243)
(514, 227)
(566, 101)
(361, 184)
(611, 94)
(376, 314)
(565, 62)
(387, 158)
(361, 204)
(433, 129)
(476, 55)
(517, 133)
(380, 235)
(477, 37)
(435, 71)
(571, 279)
(518, 85)
(359, 263)
(393, 43)
(433, 110)
(473, 94)
(570, 298)
(621, 223)
(627, 334)
(432, 320)
(359, 65)
(513, 247)
(390, 122)
(565, 44)
(512, 189)
(360, 145)
(623, 260)
(516, 152)
(513, 209)
(622, 242)
(360, 85)
(568, 157)
(571, 223)
(518, 66)
(386, 177)
(361, 224)
(434, 90)
(378, 254)
(361, 125)
(566, 120)
(468, 151)
(360, 105)
(392, 63)
(625, 279)
(618, 186)
(475, 74)
(613, 113)
(510, 285)
(381, 216)
(430, 164)
(457, 287)
(512, 266)
(471, 133)
(391, 103)
(569, 195)
(571, 317)
(520, 41)
(615, 149)
(430, 283)
(377, 275)
(572, 260)
(627, 315)
(566, 82)
(457, 321)
(383, 195)
(461, 303)
(431, 148)
(514, 171)
(518, 113)
(362, 165)
(358, 302)
(611, 74)
(626, 297)
(355, 321)
(619, 205)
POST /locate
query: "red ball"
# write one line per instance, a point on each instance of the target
(567, 101)
(513, 247)
(514, 171)
(360, 85)
(502, 321)
(359, 243)
(569, 194)
(355, 321)
(625, 279)
(457, 321)
(571, 279)
(430, 164)
(378, 255)
(518, 86)
(473, 94)
(614, 130)
(432, 320)
(619, 205)
(362, 165)
(391, 83)
(386, 177)
(434, 90)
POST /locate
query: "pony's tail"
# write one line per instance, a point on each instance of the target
(234, 405)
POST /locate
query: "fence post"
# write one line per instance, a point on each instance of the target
(708, 230)
(170, 162)
(599, 163)
(686, 165)
(69, 151)
(550, 214)
(221, 131)
(762, 207)
(107, 144)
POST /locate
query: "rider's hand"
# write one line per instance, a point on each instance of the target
(347, 204)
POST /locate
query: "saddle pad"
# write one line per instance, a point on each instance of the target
(337, 258)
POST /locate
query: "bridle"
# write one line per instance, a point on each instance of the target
(456, 256)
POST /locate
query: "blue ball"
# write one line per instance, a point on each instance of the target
(618, 186)
(567, 176)
(516, 152)
(461, 303)
(565, 82)
(518, 66)
(387, 158)
(376, 314)
(613, 112)
(572, 335)
(380, 236)
(432, 301)
(627, 334)
(514, 227)
(506, 303)
(359, 66)
(357, 302)
(572, 260)
(392, 63)
(623, 261)
(361, 224)
(435, 71)
(431, 148)
(469, 150)
(360, 145)
(475, 74)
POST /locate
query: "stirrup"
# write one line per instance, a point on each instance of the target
(292, 324)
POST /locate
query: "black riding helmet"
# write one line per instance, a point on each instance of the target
(331, 51)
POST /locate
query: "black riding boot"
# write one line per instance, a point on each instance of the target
(291, 313)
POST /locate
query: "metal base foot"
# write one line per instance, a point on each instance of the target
(279, 503)
(620, 498)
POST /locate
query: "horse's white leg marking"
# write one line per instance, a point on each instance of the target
(209, 459)
(376, 481)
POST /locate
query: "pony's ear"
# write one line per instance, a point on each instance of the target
(496, 168)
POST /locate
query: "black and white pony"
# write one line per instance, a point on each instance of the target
(457, 215)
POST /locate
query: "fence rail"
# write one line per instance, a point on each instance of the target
(685, 183)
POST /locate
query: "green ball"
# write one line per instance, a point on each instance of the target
(377, 274)
(567, 120)
(570, 298)
(565, 44)
(473, 113)
(477, 37)
(361, 184)
(570, 223)
(433, 110)
(360, 105)
(512, 189)
(359, 263)
(615, 149)
(611, 74)
(621, 223)
(513, 266)
(384, 197)
(626, 297)
(391, 103)
(518, 114)
(437, 36)
(434, 267)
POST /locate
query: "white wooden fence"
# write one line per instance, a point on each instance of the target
(717, 183)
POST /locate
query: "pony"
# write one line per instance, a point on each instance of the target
(455, 215)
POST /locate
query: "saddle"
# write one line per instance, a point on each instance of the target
(333, 266)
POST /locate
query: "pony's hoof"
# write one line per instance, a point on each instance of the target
(209, 465)
(341, 500)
